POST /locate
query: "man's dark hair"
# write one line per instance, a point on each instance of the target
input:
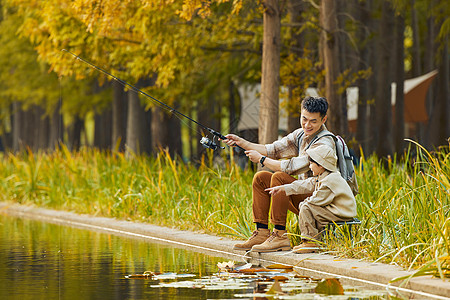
(315, 104)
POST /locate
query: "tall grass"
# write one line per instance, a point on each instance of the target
(404, 207)
(158, 190)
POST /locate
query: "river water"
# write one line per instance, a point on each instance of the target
(46, 261)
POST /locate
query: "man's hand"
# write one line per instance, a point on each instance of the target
(254, 155)
(233, 140)
(275, 190)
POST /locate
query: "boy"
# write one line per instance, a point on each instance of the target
(331, 199)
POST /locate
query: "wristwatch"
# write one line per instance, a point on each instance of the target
(262, 160)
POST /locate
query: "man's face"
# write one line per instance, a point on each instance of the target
(311, 122)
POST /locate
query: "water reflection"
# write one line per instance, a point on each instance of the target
(47, 261)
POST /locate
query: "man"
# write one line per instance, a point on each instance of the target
(286, 158)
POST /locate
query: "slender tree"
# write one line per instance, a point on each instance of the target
(329, 42)
(364, 20)
(270, 77)
(399, 124)
(383, 93)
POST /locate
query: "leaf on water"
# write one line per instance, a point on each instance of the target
(145, 275)
(279, 266)
(243, 267)
(280, 278)
(253, 270)
(172, 276)
(275, 289)
(329, 286)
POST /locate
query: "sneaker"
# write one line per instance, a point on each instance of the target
(277, 241)
(258, 237)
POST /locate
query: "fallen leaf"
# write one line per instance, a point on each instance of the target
(329, 286)
(275, 289)
(279, 266)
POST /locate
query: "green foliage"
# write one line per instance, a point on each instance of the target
(404, 208)
(157, 190)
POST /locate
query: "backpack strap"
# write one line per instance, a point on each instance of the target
(318, 136)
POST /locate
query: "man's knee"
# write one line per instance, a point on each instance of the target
(279, 178)
(261, 178)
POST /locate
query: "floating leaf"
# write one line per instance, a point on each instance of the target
(329, 286)
(172, 276)
(226, 265)
(275, 289)
(253, 270)
(145, 275)
(243, 267)
(280, 266)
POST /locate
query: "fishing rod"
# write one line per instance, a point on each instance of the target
(205, 141)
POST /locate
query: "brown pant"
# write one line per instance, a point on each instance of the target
(280, 202)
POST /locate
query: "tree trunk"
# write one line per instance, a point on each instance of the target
(17, 126)
(329, 40)
(416, 61)
(75, 130)
(429, 65)
(119, 122)
(440, 115)
(56, 127)
(295, 9)
(138, 128)
(166, 132)
(362, 132)
(233, 108)
(270, 81)
(174, 136)
(159, 129)
(103, 129)
(42, 129)
(399, 128)
(383, 93)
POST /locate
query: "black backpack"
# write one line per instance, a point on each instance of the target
(345, 159)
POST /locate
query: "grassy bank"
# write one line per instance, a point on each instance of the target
(404, 207)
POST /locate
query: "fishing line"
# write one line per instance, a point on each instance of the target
(206, 142)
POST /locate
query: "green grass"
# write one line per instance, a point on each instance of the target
(404, 207)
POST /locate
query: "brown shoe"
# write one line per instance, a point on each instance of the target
(277, 241)
(306, 247)
(258, 237)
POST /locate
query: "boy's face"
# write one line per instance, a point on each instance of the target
(311, 122)
(315, 168)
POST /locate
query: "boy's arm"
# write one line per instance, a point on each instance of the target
(300, 186)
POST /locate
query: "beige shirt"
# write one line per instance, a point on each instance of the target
(295, 160)
(328, 189)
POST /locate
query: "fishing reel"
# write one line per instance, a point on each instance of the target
(207, 143)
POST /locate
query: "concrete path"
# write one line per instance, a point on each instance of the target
(350, 271)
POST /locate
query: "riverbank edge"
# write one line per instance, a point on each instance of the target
(350, 271)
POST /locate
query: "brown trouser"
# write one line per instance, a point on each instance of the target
(280, 202)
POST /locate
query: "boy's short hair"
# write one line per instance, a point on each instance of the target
(315, 104)
(312, 160)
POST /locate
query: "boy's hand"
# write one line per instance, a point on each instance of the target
(275, 190)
